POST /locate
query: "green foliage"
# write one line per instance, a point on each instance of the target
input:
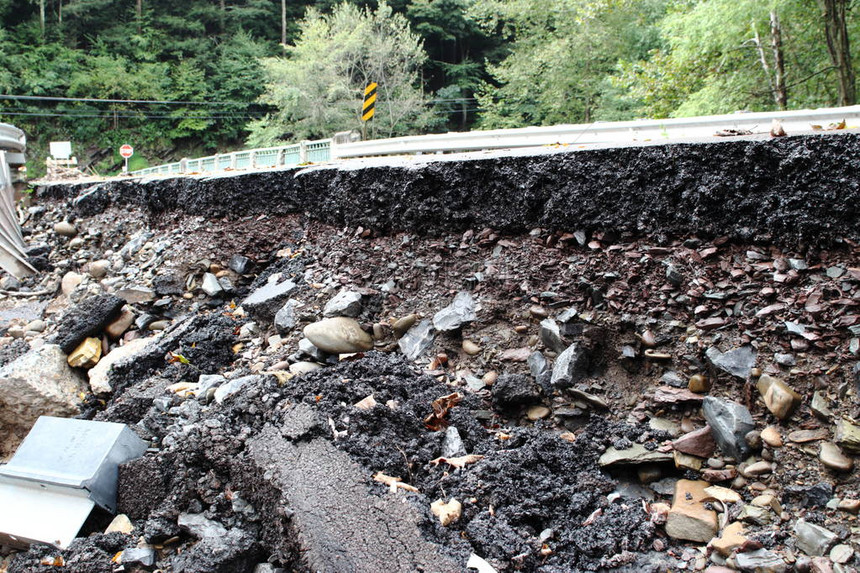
(318, 86)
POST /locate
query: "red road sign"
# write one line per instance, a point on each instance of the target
(126, 151)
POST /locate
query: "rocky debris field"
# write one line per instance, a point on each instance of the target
(372, 398)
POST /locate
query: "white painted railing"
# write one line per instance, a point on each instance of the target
(591, 134)
(269, 157)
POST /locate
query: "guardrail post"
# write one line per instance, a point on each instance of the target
(233, 161)
(253, 159)
(303, 151)
(282, 157)
(183, 165)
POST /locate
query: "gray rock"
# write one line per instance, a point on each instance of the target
(856, 373)
(88, 318)
(233, 386)
(286, 319)
(211, 286)
(737, 362)
(835, 272)
(813, 539)
(338, 335)
(136, 294)
(307, 348)
(345, 303)
(634, 455)
(207, 382)
(38, 383)
(514, 390)
(570, 367)
(539, 368)
(798, 264)
(730, 422)
(134, 245)
(239, 264)
(139, 555)
(760, 561)
(219, 549)
(569, 315)
(143, 321)
(784, 359)
(456, 314)
(673, 379)
(673, 275)
(452, 445)
(226, 285)
(550, 335)
(264, 302)
(417, 340)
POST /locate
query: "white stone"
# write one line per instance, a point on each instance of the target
(38, 383)
(100, 374)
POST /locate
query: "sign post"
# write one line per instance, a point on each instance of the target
(368, 107)
(126, 151)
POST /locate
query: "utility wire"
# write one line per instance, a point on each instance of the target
(97, 100)
(123, 115)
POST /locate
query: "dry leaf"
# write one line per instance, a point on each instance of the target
(435, 421)
(366, 403)
(459, 462)
(393, 482)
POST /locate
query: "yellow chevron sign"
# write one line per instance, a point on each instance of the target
(369, 100)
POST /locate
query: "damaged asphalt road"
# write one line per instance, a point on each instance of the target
(525, 364)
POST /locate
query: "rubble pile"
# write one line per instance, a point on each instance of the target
(352, 398)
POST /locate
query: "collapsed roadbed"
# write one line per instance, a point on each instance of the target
(641, 359)
(798, 189)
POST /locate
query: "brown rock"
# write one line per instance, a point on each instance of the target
(716, 476)
(670, 395)
(804, 436)
(699, 384)
(770, 436)
(696, 443)
(122, 323)
(832, 457)
(516, 354)
(731, 538)
(689, 519)
(778, 396)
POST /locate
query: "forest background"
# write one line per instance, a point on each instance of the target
(189, 78)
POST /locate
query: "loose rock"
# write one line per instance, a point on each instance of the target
(345, 303)
(778, 396)
(418, 340)
(738, 362)
(339, 335)
(729, 422)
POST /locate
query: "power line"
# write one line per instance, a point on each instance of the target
(125, 115)
(145, 101)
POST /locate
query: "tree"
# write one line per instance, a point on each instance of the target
(834, 14)
(561, 54)
(318, 86)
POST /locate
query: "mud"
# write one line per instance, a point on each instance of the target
(790, 190)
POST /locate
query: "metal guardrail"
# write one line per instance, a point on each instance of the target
(597, 133)
(14, 143)
(591, 134)
(269, 157)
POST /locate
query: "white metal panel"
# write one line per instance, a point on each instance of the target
(30, 513)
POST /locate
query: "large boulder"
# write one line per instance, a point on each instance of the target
(39, 383)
